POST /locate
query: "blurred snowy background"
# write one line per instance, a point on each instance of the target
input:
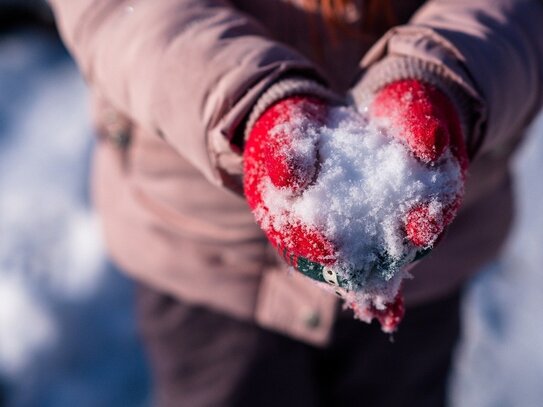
(67, 329)
(500, 361)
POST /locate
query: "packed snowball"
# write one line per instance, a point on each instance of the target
(359, 196)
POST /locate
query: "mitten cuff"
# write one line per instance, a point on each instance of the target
(395, 68)
(286, 88)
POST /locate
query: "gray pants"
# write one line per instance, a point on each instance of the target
(203, 358)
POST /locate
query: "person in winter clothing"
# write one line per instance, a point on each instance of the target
(181, 88)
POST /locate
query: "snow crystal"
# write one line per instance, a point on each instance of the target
(366, 184)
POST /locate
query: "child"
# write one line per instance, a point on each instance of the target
(177, 87)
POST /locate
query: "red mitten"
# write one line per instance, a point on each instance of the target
(281, 149)
(427, 122)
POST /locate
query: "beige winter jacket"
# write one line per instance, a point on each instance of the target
(174, 81)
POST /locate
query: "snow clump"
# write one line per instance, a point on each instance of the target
(364, 187)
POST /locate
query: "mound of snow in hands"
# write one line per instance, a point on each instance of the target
(366, 183)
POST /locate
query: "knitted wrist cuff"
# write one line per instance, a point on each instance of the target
(286, 88)
(394, 68)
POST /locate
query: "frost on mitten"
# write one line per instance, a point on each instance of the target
(281, 153)
(425, 120)
(336, 193)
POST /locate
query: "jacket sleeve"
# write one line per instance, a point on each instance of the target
(188, 70)
(487, 54)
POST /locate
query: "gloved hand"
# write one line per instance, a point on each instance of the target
(425, 119)
(281, 149)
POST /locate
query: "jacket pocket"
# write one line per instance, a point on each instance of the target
(117, 130)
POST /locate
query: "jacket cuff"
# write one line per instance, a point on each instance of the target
(394, 68)
(285, 88)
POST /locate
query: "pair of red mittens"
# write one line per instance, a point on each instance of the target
(282, 148)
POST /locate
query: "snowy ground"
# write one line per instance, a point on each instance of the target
(67, 331)
(500, 362)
